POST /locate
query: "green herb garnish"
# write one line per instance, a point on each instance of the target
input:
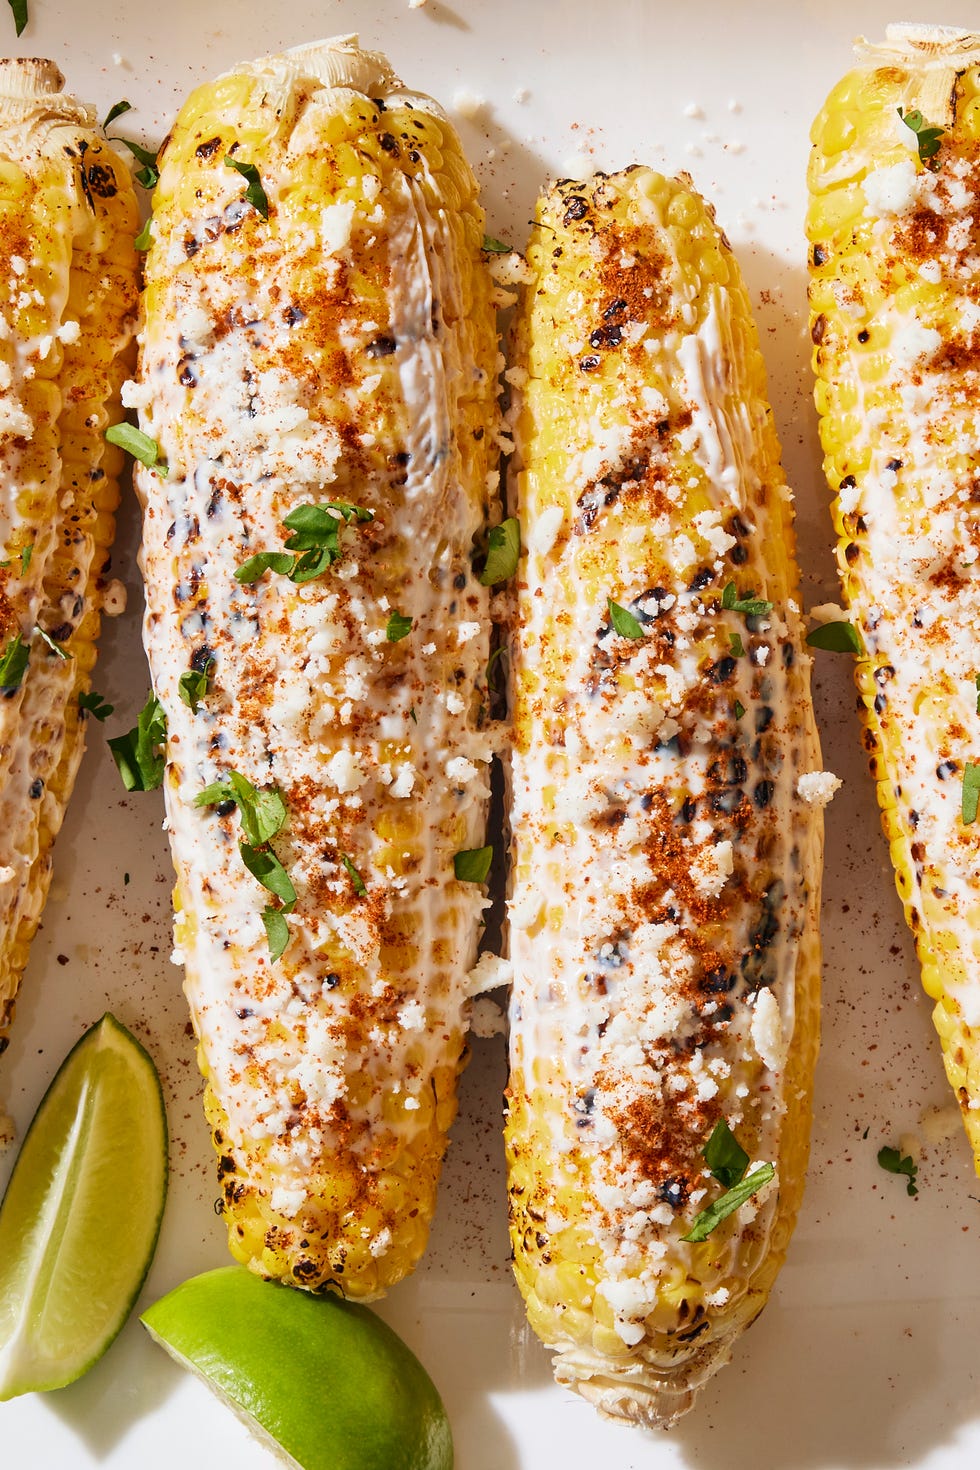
(837, 637)
(738, 647)
(503, 552)
(116, 110)
(709, 1219)
(739, 709)
(138, 444)
(94, 704)
(360, 888)
(140, 754)
(725, 1156)
(894, 1162)
(623, 621)
(473, 865)
(18, 9)
(193, 685)
(398, 627)
(977, 682)
(13, 664)
(255, 195)
(927, 136)
(144, 239)
(971, 793)
(495, 247)
(276, 931)
(149, 175)
(263, 865)
(749, 605)
(316, 538)
(25, 558)
(263, 813)
(54, 646)
(490, 673)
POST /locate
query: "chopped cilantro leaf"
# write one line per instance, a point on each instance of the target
(977, 682)
(398, 627)
(971, 793)
(837, 637)
(138, 444)
(894, 1162)
(194, 684)
(13, 664)
(18, 9)
(503, 552)
(623, 621)
(725, 1156)
(262, 562)
(144, 239)
(928, 137)
(116, 110)
(316, 538)
(25, 558)
(148, 176)
(94, 704)
(473, 864)
(495, 247)
(277, 931)
(140, 754)
(738, 647)
(360, 887)
(264, 866)
(710, 1218)
(490, 673)
(263, 813)
(255, 195)
(54, 646)
(750, 606)
(739, 709)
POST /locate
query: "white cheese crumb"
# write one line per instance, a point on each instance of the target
(712, 868)
(486, 1018)
(135, 395)
(411, 1016)
(336, 221)
(68, 332)
(468, 104)
(454, 704)
(466, 631)
(344, 771)
(767, 1031)
(818, 787)
(404, 781)
(381, 1242)
(489, 971)
(428, 649)
(891, 190)
(717, 1298)
(460, 771)
(114, 599)
(287, 1201)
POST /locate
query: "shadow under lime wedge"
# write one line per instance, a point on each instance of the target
(81, 1215)
(323, 1382)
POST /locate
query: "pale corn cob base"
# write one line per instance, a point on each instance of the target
(911, 699)
(374, 238)
(74, 240)
(558, 1259)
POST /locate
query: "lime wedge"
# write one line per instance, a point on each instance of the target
(323, 1382)
(81, 1215)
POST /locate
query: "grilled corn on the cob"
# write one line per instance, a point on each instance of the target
(318, 331)
(666, 808)
(895, 187)
(68, 216)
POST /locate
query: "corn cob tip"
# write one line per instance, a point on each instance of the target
(29, 77)
(631, 1393)
(336, 61)
(926, 45)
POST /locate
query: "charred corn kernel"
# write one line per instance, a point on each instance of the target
(892, 298)
(318, 328)
(68, 269)
(664, 910)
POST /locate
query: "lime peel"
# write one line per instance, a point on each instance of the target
(81, 1214)
(322, 1381)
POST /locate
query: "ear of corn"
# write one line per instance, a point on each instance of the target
(666, 857)
(894, 319)
(68, 216)
(318, 328)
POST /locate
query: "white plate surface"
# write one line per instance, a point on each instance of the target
(866, 1356)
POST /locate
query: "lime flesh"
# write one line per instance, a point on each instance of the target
(322, 1380)
(81, 1215)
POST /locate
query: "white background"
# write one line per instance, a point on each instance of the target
(866, 1354)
